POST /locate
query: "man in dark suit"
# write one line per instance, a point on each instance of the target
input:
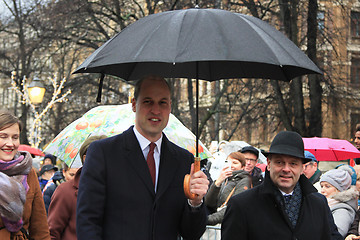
(121, 197)
(285, 205)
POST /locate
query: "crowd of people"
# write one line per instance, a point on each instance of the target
(131, 187)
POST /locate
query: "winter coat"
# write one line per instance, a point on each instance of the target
(256, 176)
(34, 215)
(62, 210)
(315, 177)
(354, 228)
(56, 180)
(42, 183)
(344, 211)
(255, 214)
(216, 196)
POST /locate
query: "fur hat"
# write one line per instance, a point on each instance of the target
(339, 178)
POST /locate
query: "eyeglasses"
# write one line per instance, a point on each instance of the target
(307, 165)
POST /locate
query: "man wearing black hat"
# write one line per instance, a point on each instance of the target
(46, 173)
(251, 157)
(286, 205)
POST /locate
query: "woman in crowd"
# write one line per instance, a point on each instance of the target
(342, 199)
(22, 207)
(62, 210)
(232, 180)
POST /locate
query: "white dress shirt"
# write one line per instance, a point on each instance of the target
(144, 145)
(286, 194)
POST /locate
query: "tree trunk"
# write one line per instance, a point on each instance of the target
(282, 108)
(298, 105)
(23, 119)
(289, 15)
(315, 119)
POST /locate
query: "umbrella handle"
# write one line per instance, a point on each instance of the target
(187, 192)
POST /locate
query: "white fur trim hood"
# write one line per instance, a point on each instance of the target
(349, 196)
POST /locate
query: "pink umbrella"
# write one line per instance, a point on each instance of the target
(327, 149)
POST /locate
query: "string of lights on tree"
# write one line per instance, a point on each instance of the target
(35, 130)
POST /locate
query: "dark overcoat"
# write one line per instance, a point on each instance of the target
(256, 215)
(117, 200)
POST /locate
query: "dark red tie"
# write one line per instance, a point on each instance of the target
(151, 162)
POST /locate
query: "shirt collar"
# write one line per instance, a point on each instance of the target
(286, 194)
(144, 142)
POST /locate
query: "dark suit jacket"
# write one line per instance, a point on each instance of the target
(255, 214)
(116, 198)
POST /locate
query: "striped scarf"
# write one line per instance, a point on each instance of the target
(13, 189)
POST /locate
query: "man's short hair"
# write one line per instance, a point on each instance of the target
(357, 128)
(139, 83)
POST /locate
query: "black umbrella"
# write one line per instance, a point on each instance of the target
(208, 44)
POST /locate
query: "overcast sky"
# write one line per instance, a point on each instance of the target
(4, 12)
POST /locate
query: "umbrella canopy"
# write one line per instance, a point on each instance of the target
(110, 120)
(208, 44)
(235, 146)
(31, 150)
(327, 149)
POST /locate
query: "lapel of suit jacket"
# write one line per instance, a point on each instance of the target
(136, 158)
(168, 166)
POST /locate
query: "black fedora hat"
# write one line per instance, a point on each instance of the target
(288, 143)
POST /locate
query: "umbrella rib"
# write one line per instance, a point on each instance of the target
(260, 31)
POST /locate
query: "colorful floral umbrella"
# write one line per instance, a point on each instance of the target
(327, 149)
(110, 120)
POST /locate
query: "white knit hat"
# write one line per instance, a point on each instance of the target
(339, 178)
